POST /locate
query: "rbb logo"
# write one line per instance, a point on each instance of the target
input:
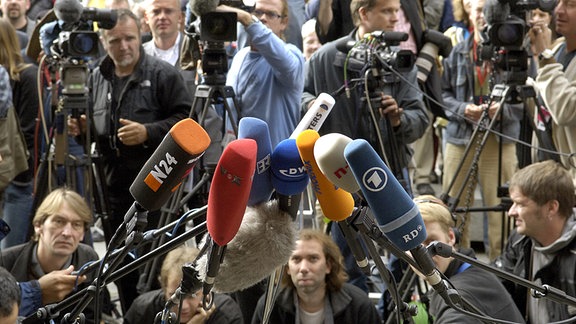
(375, 179)
(161, 171)
(232, 177)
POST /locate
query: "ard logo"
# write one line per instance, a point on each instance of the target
(375, 179)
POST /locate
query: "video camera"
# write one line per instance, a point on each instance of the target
(505, 34)
(377, 52)
(216, 28)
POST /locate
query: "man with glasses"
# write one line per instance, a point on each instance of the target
(45, 264)
(268, 75)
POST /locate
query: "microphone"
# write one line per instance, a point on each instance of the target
(289, 177)
(202, 7)
(170, 164)
(257, 130)
(395, 212)
(227, 200)
(336, 203)
(316, 115)
(329, 154)
(266, 238)
(68, 11)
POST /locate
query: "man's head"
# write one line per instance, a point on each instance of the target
(123, 42)
(316, 263)
(164, 18)
(477, 16)
(273, 14)
(439, 225)
(9, 297)
(542, 198)
(171, 275)
(565, 14)
(60, 222)
(15, 10)
(373, 15)
(310, 42)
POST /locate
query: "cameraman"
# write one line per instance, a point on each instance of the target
(267, 76)
(466, 91)
(555, 78)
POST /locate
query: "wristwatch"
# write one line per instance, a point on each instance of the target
(546, 54)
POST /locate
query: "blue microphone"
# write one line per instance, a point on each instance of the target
(257, 129)
(394, 211)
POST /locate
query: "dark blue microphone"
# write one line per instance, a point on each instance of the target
(393, 208)
(257, 129)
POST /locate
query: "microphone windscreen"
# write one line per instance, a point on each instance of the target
(257, 129)
(170, 164)
(68, 11)
(316, 115)
(202, 7)
(336, 203)
(230, 190)
(395, 212)
(265, 241)
(289, 176)
(329, 154)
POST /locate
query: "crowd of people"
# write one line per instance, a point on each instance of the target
(459, 120)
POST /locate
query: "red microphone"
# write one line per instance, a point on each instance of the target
(227, 200)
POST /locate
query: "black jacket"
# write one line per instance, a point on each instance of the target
(154, 95)
(18, 260)
(349, 305)
(478, 287)
(559, 273)
(147, 305)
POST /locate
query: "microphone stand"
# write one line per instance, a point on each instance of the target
(546, 291)
(49, 312)
(189, 284)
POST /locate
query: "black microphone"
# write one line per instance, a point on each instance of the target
(496, 11)
(170, 164)
(68, 11)
(394, 210)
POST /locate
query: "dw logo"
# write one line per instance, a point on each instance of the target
(375, 179)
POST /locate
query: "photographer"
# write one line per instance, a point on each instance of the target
(466, 91)
(136, 99)
(267, 76)
(555, 79)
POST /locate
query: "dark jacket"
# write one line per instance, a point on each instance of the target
(478, 287)
(559, 273)
(154, 95)
(349, 305)
(147, 305)
(18, 260)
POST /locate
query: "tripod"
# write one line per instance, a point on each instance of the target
(486, 125)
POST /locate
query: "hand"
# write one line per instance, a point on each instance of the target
(540, 38)
(201, 315)
(132, 133)
(243, 17)
(473, 112)
(493, 109)
(389, 108)
(56, 285)
(75, 126)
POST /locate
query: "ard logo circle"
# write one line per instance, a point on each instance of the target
(375, 179)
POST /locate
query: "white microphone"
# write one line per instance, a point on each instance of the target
(316, 115)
